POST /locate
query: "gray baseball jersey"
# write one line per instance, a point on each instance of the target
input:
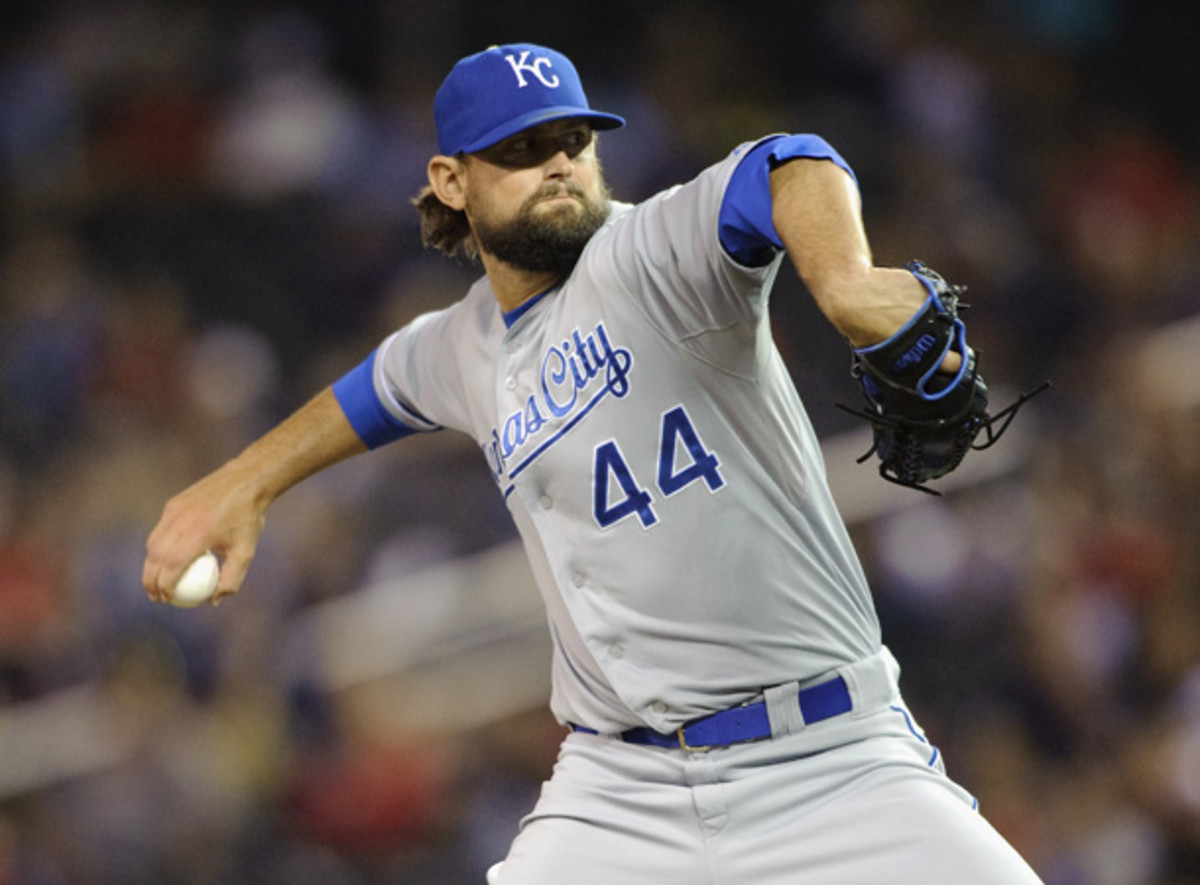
(652, 449)
(669, 489)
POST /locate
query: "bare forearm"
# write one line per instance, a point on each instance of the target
(817, 214)
(314, 437)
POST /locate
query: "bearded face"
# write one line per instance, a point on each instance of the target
(548, 231)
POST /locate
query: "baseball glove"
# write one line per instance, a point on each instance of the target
(925, 420)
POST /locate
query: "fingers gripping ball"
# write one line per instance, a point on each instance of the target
(198, 583)
(925, 420)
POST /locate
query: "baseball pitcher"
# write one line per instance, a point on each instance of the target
(732, 715)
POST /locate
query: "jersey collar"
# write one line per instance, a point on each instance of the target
(511, 317)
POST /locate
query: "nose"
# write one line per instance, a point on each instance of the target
(560, 165)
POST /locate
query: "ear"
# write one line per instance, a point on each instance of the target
(447, 178)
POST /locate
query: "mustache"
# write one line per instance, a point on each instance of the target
(556, 189)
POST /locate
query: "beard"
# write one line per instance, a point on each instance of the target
(547, 241)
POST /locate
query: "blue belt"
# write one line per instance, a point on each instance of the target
(737, 725)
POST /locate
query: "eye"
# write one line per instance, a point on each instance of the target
(517, 146)
(574, 141)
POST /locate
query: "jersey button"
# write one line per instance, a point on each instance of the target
(617, 652)
(659, 707)
(545, 502)
(578, 579)
(510, 383)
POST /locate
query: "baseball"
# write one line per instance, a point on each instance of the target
(198, 583)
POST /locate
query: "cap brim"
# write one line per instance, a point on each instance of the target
(597, 119)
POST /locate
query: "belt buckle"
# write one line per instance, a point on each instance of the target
(689, 747)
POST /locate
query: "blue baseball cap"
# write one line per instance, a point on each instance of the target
(496, 93)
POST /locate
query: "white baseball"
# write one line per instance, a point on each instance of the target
(198, 583)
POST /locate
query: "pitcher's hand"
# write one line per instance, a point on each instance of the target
(223, 513)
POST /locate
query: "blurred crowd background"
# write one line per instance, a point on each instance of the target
(205, 217)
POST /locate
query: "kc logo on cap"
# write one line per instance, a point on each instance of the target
(496, 93)
(520, 66)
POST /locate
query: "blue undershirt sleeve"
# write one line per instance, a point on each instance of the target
(355, 393)
(745, 227)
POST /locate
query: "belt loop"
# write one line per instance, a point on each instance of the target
(783, 709)
(872, 682)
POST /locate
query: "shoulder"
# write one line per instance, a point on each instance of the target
(686, 210)
(475, 316)
(477, 307)
(706, 185)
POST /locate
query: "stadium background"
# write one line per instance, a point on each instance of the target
(204, 217)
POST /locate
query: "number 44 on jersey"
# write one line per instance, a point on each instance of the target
(682, 460)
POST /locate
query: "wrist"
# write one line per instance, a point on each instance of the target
(256, 476)
(868, 309)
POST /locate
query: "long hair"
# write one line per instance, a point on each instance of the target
(443, 228)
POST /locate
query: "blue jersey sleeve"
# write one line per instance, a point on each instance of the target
(745, 227)
(355, 393)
